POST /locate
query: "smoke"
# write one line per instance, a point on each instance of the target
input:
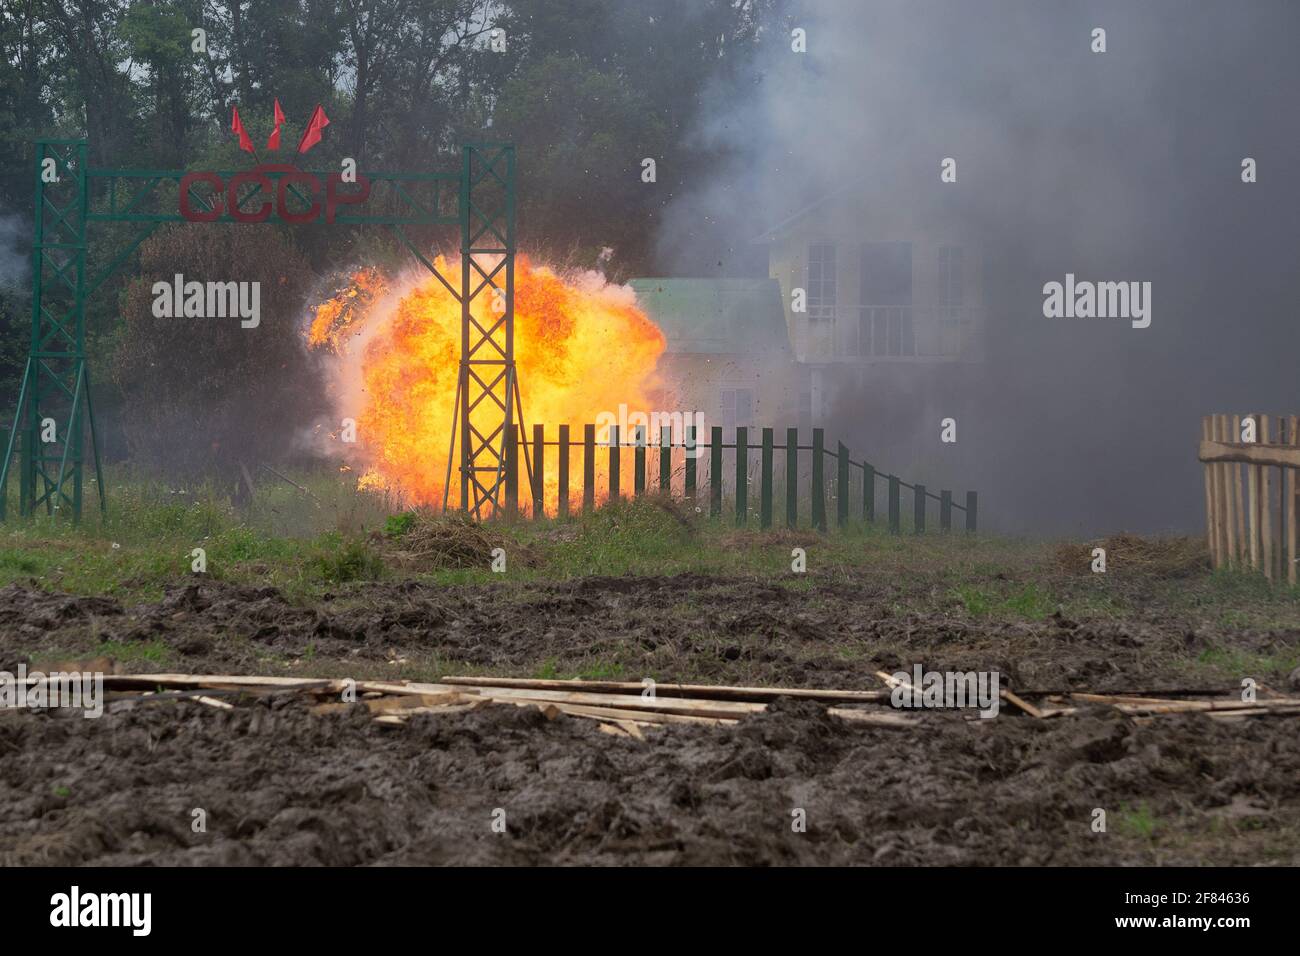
(13, 265)
(1115, 166)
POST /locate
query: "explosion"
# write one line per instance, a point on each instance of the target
(582, 346)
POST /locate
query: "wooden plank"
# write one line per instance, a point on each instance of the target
(539, 471)
(1265, 507)
(562, 467)
(638, 437)
(842, 485)
(666, 459)
(715, 472)
(641, 716)
(1220, 557)
(742, 476)
(918, 509)
(615, 463)
(819, 479)
(1020, 702)
(1292, 524)
(875, 718)
(1224, 500)
(512, 470)
(667, 705)
(868, 492)
(1252, 481)
(707, 691)
(1239, 505)
(691, 463)
(765, 488)
(791, 477)
(588, 467)
(1258, 454)
(895, 520)
(1207, 435)
(1221, 518)
(638, 461)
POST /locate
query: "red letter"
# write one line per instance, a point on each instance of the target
(232, 197)
(334, 198)
(313, 186)
(193, 215)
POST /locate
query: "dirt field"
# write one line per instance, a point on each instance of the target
(280, 785)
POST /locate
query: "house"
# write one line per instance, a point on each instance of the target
(728, 351)
(880, 296)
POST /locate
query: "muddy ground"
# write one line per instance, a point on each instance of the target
(280, 785)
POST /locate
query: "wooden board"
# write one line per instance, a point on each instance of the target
(1261, 453)
(705, 691)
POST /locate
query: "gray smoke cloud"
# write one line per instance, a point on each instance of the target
(14, 267)
(1123, 165)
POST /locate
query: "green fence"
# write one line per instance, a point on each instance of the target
(849, 484)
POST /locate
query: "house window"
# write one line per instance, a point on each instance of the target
(821, 281)
(950, 299)
(737, 407)
(885, 309)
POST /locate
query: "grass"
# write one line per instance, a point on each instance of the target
(1140, 822)
(333, 535)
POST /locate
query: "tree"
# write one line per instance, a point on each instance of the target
(206, 395)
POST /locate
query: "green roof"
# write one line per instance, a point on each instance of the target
(716, 316)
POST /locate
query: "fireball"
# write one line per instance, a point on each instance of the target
(582, 347)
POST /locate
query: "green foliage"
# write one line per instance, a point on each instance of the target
(1140, 822)
(399, 524)
(338, 562)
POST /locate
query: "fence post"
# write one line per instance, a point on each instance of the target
(765, 491)
(894, 521)
(691, 463)
(970, 510)
(638, 462)
(715, 472)
(742, 474)
(842, 487)
(666, 459)
(791, 477)
(945, 510)
(918, 509)
(615, 449)
(562, 498)
(819, 480)
(539, 471)
(868, 492)
(588, 467)
(512, 470)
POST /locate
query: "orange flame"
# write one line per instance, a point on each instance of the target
(582, 347)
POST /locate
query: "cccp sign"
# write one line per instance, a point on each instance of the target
(275, 180)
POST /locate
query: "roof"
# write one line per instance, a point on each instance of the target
(769, 234)
(716, 316)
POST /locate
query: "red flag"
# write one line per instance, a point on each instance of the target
(274, 141)
(311, 135)
(237, 127)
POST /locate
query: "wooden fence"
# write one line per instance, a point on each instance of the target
(850, 484)
(1250, 492)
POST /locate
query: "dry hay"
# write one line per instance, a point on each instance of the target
(454, 540)
(1161, 557)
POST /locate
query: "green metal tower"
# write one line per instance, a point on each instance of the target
(54, 415)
